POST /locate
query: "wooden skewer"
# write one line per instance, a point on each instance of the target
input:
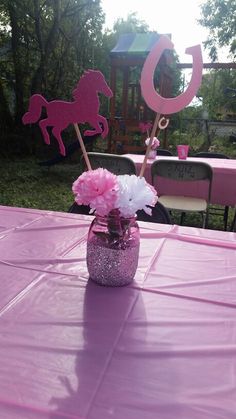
(154, 128)
(77, 130)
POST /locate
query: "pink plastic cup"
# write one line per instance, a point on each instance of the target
(182, 151)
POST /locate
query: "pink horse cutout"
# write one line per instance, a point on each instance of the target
(84, 108)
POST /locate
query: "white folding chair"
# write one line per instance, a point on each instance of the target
(184, 171)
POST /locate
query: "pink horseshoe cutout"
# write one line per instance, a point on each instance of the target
(163, 123)
(155, 101)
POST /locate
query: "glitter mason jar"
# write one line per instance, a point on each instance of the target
(113, 250)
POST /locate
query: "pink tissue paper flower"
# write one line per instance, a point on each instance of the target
(155, 143)
(145, 126)
(98, 189)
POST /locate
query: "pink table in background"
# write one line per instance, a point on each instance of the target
(223, 184)
(163, 347)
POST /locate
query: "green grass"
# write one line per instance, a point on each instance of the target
(23, 183)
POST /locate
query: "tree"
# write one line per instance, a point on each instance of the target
(214, 93)
(219, 16)
(50, 43)
(110, 37)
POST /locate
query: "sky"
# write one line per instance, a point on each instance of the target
(178, 17)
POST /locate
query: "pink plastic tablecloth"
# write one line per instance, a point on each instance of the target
(223, 184)
(164, 347)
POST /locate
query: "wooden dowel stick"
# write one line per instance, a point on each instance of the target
(77, 130)
(154, 128)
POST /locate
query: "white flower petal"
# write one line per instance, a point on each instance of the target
(134, 194)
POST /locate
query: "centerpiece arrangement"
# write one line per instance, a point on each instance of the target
(113, 238)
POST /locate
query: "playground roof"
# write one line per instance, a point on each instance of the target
(135, 43)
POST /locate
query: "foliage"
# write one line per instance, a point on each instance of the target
(45, 46)
(194, 140)
(121, 26)
(214, 93)
(130, 25)
(219, 16)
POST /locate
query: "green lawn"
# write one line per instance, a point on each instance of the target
(23, 183)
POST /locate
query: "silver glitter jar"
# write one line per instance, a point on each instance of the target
(113, 250)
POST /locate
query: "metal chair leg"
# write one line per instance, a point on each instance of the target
(205, 216)
(182, 217)
(233, 225)
(226, 213)
(204, 220)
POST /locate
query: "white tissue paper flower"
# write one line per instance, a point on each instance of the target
(134, 194)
